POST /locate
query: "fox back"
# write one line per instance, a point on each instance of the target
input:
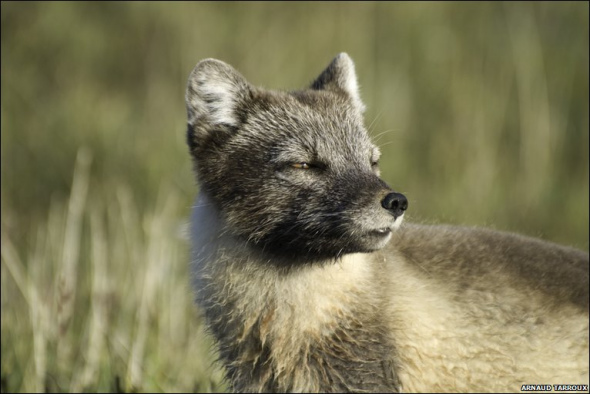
(307, 284)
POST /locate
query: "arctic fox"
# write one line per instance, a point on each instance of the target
(307, 283)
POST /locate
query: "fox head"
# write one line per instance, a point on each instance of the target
(292, 173)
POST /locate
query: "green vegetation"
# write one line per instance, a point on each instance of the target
(481, 110)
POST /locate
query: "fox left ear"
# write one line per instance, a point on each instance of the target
(214, 93)
(340, 76)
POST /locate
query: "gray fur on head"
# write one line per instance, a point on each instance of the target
(256, 135)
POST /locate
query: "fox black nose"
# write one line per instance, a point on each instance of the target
(396, 203)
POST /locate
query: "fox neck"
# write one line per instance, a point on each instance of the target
(270, 322)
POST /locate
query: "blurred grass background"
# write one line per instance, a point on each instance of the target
(481, 110)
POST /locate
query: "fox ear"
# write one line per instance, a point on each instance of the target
(214, 93)
(340, 76)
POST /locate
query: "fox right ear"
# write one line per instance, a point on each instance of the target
(214, 93)
(340, 76)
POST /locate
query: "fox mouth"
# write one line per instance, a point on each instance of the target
(383, 231)
(374, 239)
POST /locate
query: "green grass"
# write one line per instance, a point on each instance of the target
(481, 110)
(101, 300)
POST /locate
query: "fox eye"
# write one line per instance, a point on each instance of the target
(302, 165)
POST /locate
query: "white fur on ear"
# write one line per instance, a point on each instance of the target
(341, 74)
(214, 92)
(350, 83)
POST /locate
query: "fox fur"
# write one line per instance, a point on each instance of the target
(308, 282)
